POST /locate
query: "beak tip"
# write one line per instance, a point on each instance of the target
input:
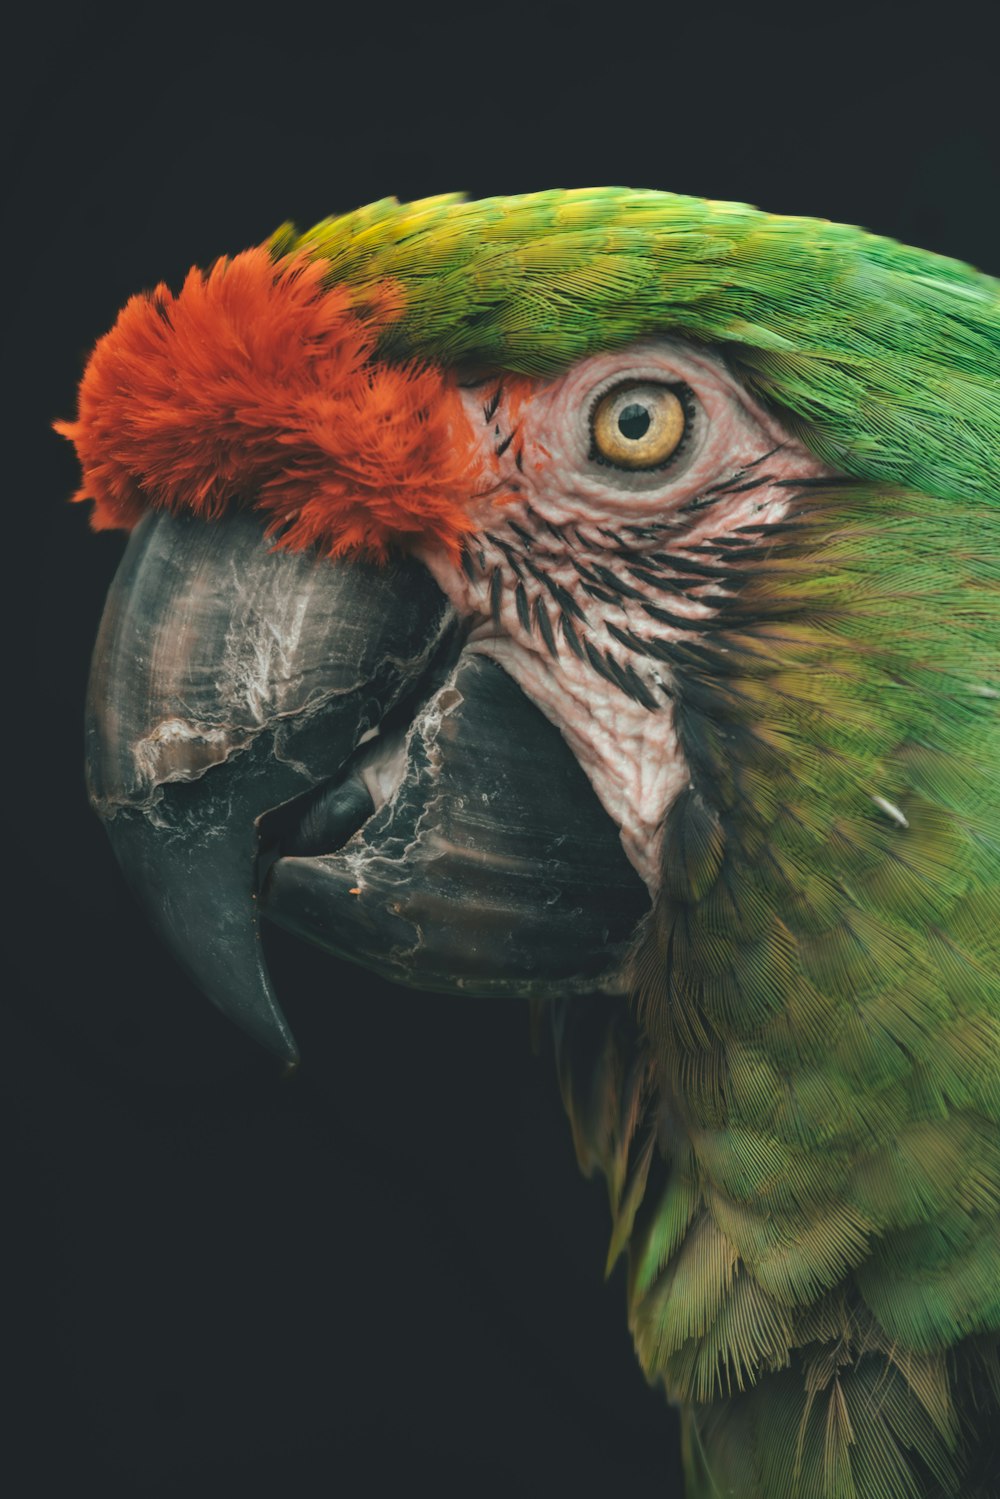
(264, 1023)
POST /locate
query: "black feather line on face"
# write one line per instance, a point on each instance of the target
(641, 691)
(599, 664)
(816, 481)
(736, 484)
(716, 576)
(677, 621)
(602, 594)
(545, 627)
(618, 548)
(632, 684)
(748, 551)
(663, 585)
(732, 485)
(567, 603)
(618, 585)
(657, 650)
(570, 635)
(700, 569)
(523, 613)
(509, 552)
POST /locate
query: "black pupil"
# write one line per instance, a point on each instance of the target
(633, 422)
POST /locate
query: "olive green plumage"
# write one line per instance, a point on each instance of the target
(801, 1127)
(820, 987)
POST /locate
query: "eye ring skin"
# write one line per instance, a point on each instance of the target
(668, 411)
(727, 427)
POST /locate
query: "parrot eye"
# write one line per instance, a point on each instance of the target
(640, 424)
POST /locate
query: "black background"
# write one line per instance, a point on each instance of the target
(387, 1272)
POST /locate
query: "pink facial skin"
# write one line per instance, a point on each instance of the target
(566, 547)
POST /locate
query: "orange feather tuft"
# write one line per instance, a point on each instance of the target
(257, 384)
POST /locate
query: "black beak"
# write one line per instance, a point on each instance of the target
(274, 731)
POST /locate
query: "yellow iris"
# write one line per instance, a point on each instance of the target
(638, 424)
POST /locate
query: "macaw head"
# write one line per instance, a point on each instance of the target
(546, 595)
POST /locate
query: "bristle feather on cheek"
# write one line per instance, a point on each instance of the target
(257, 385)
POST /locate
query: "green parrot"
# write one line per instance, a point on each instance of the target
(592, 596)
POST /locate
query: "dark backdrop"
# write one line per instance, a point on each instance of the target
(386, 1273)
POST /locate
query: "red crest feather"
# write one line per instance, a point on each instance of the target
(258, 385)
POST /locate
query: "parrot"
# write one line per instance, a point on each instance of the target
(592, 596)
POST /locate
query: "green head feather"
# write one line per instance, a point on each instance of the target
(885, 357)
